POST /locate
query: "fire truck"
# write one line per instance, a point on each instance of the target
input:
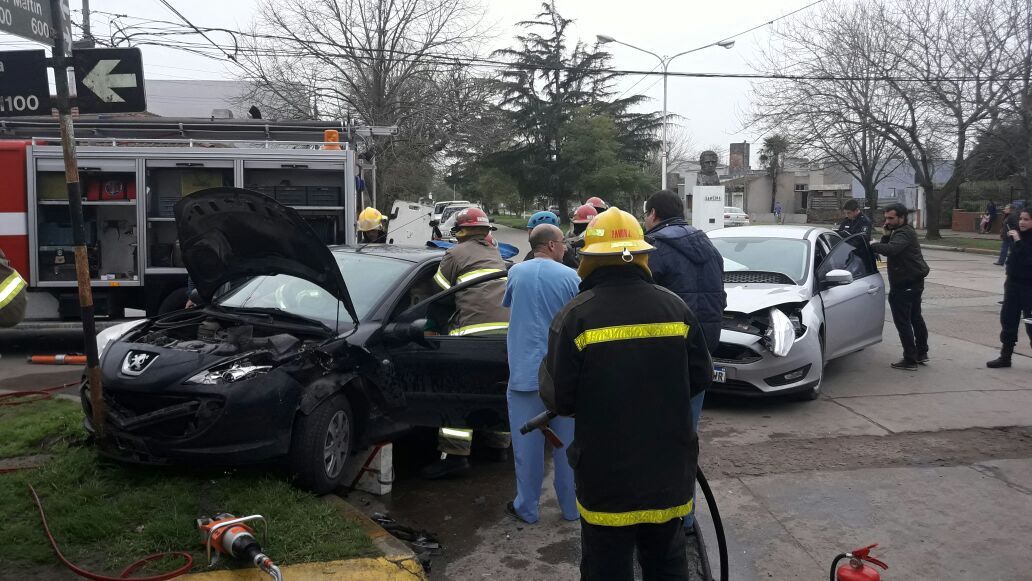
(132, 173)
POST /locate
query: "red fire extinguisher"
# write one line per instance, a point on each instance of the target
(856, 569)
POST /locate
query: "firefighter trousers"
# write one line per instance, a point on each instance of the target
(607, 553)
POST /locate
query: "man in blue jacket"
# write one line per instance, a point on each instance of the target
(687, 263)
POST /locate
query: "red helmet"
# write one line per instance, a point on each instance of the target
(597, 203)
(471, 218)
(584, 214)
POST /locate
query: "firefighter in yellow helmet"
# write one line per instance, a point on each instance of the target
(625, 356)
(372, 227)
(478, 313)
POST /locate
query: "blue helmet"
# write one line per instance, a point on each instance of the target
(540, 218)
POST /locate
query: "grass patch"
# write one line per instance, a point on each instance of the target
(37, 427)
(962, 242)
(518, 222)
(106, 514)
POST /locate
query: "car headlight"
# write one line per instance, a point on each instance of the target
(113, 333)
(230, 372)
(780, 335)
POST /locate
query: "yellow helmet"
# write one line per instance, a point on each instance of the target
(370, 219)
(615, 233)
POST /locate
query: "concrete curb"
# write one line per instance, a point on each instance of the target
(984, 251)
(398, 562)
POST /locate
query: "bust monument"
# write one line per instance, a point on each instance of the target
(708, 174)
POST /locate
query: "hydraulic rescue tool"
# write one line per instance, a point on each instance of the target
(231, 536)
(540, 422)
(856, 569)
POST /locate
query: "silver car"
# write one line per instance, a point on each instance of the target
(797, 297)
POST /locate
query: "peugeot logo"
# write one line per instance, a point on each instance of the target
(137, 361)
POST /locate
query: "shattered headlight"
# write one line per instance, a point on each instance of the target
(231, 372)
(780, 335)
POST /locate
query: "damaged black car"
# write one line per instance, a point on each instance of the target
(294, 352)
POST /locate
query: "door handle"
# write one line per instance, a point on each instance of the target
(872, 290)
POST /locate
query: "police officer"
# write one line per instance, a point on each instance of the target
(625, 357)
(12, 294)
(478, 312)
(371, 229)
(854, 222)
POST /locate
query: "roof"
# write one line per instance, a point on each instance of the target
(413, 254)
(791, 231)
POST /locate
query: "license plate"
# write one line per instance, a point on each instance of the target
(720, 375)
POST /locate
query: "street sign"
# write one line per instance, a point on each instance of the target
(33, 20)
(109, 80)
(23, 83)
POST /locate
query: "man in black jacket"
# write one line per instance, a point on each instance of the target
(907, 271)
(686, 262)
(1010, 222)
(625, 357)
(855, 222)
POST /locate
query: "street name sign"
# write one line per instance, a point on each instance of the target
(33, 20)
(23, 83)
(109, 80)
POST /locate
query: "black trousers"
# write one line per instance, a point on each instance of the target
(1017, 304)
(905, 302)
(607, 553)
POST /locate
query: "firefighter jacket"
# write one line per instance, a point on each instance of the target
(478, 309)
(625, 357)
(902, 250)
(12, 294)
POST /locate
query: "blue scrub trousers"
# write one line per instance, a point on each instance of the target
(528, 452)
(689, 520)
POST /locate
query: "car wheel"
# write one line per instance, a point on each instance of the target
(321, 445)
(815, 391)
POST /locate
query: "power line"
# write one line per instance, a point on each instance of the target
(191, 25)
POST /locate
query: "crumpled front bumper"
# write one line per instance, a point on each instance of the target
(752, 370)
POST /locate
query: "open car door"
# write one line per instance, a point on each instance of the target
(854, 311)
(455, 381)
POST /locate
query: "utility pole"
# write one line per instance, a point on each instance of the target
(60, 62)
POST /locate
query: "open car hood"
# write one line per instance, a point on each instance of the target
(227, 234)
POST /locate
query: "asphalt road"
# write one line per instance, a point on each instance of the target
(934, 465)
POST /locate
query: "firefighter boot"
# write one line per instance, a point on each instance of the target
(1004, 360)
(447, 467)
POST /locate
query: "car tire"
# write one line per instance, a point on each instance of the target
(321, 445)
(815, 391)
(175, 301)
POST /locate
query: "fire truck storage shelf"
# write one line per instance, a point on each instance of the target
(129, 193)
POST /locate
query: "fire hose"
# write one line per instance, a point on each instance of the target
(32, 395)
(540, 422)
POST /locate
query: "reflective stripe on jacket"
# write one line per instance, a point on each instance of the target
(12, 296)
(625, 356)
(478, 309)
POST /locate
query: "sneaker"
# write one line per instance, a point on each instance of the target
(446, 468)
(510, 511)
(922, 358)
(905, 365)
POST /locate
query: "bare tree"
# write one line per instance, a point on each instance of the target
(375, 62)
(825, 93)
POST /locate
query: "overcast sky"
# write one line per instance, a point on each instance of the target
(712, 110)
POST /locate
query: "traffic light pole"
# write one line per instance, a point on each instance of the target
(60, 63)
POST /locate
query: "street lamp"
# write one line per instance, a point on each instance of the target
(665, 63)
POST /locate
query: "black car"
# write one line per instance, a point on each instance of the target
(296, 351)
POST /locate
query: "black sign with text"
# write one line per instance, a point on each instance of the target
(109, 80)
(23, 83)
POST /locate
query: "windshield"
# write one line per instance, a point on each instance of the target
(440, 207)
(451, 211)
(789, 257)
(368, 278)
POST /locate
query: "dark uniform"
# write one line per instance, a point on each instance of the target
(1017, 293)
(625, 357)
(859, 225)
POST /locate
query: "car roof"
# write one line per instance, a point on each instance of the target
(413, 254)
(789, 231)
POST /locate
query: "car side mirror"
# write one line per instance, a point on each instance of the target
(838, 277)
(402, 333)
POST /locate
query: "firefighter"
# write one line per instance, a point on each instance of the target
(478, 312)
(372, 227)
(12, 294)
(625, 357)
(598, 203)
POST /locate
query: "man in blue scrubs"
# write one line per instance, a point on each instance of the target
(537, 289)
